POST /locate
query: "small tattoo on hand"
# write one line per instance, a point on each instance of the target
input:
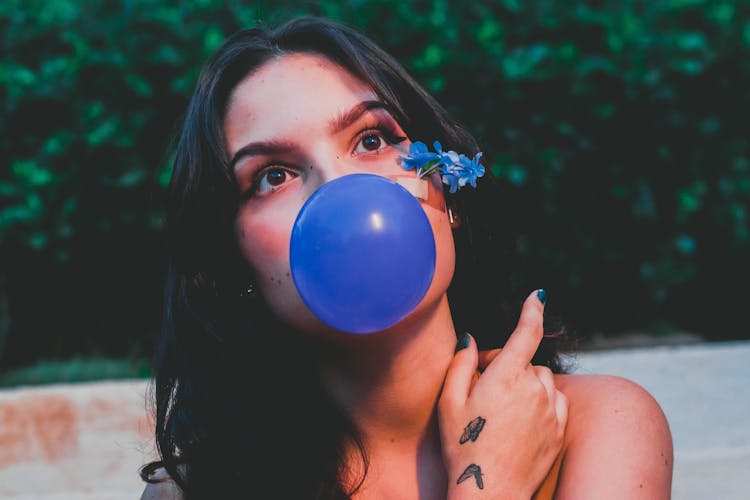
(474, 471)
(472, 430)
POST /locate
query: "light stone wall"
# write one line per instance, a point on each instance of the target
(87, 441)
(78, 441)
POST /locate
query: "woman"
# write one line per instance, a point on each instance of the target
(255, 393)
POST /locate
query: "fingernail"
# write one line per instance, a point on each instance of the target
(541, 294)
(463, 341)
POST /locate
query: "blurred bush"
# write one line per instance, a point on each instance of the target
(619, 129)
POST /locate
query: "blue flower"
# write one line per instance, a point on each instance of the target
(452, 180)
(472, 169)
(447, 158)
(456, 169)
(419, 157)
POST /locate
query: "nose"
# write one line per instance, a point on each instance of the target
(328, 163)
(332, 167)
(419, 188)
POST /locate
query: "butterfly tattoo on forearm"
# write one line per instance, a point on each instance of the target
(471, 433)
(472, 430)
(474, 471)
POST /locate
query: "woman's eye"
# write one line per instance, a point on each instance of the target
(273, 178)
(373, 141)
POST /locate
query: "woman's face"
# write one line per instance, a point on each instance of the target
(292, 125)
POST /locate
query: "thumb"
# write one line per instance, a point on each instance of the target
(460, 374)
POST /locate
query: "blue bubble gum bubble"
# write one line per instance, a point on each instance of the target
(362, 253)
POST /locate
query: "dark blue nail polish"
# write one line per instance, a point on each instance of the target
(463, 342)
(541, 294)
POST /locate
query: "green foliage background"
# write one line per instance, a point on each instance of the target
(620, 129)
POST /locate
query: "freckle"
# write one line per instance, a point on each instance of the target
(287, 274)
(393, 440)
(640, 485)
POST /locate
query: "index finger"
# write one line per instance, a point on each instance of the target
(524, 341)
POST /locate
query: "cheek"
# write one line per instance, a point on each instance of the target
(437, 195)
(268, 240)
(265, 245)
(445, 250)
(444, 244)
(264, 241)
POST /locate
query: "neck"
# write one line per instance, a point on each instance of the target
(389, 383)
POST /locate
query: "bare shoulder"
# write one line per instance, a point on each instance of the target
(606, 396)
(164, 489)
(618, 442)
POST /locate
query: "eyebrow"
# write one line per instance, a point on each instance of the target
(347, 118)
(261, 148)
(339, 123)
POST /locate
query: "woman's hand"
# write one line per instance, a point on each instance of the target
(501, 431)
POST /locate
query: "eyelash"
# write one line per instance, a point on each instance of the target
(386, 130)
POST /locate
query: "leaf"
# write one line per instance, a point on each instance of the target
(8, 189)
(139, 85)
(683, 4)
(68, 207)
(131, 177)
(685, 244)
(31, 173)
(511, 5)
(16, 213)
(722, 13)
(523, 61)
(689, 202)
(690, 67)
(489, 31)
(691, 41)
(102, 132)
(37, 241)
(212, 39)
(165, 173)
(516, 174)
(431, 58)
(19, 75)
